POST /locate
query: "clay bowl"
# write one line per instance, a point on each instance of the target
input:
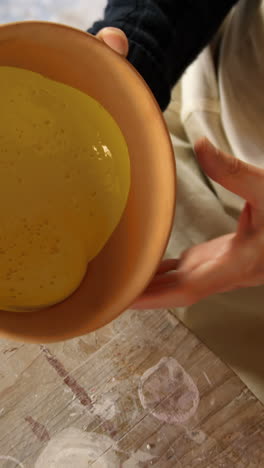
(127, 263)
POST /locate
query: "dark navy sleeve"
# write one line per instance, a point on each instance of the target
(165, 36)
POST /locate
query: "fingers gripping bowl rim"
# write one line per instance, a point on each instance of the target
(129, 260)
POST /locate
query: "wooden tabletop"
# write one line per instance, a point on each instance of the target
(141, 392)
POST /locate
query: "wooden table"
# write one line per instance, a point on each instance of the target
(94, 402)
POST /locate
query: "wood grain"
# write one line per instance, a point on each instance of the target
(105, 367)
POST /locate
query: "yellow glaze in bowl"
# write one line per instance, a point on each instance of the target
(64, 178)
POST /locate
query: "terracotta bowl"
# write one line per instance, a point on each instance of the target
(127, 263)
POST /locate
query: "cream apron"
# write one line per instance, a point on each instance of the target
(227, 106)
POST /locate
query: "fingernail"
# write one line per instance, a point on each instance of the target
(115, 40)
(204, 144)
(209, 144)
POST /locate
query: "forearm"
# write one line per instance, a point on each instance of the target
(165, 36)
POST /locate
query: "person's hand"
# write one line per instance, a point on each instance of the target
(229, 262)
(115, 39)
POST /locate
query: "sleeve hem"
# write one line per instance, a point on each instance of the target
(144, 63)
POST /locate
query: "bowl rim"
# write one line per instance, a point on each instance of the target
(30, 338)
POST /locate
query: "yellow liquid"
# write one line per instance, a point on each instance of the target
(64, 183)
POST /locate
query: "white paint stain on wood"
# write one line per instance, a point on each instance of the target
(137, 458)
(168, 392)
(12, 459)
(106, 407)
(75, 448)
(207, 379)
